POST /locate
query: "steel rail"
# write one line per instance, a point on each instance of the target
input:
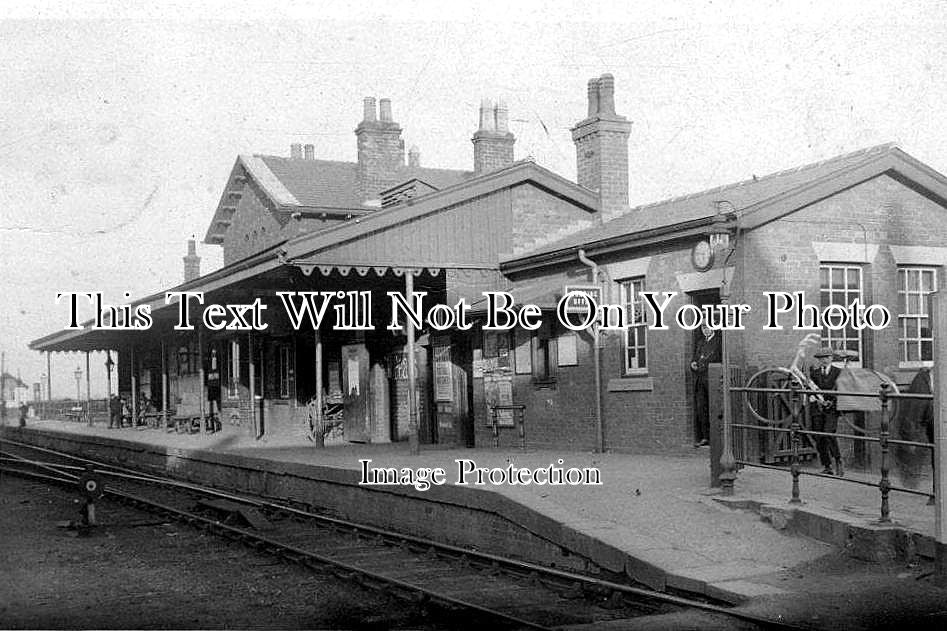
(524, 568)
(298, 554)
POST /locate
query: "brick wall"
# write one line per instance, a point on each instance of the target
(380, 157)
(540, 218)
(601, 147)
(492, 151)
(879, 213)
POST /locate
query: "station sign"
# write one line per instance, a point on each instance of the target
(581, 303)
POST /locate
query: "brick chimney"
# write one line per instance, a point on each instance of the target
(493, 142)
(295, 151)
(192, 262)
(380, 149)
(414, 157)
(309, 152)
(601, 148)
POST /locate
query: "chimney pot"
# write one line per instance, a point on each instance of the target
(414, 157)
(593, 97)
(487, 116)
(295, 151)
(369, 109)
(310, 152)
(502, 117)
(606, 94)
(384, 113)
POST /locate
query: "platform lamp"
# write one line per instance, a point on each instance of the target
(723, 236)
(78, 375)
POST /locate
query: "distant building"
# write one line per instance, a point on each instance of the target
(15, 391)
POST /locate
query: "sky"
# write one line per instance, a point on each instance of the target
(119, 126)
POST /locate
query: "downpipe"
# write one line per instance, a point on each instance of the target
(597, 357)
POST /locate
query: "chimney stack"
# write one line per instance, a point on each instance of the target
(310, 152)
(380, 150)
(295, 151)
(414, 157)
(493, 142)
(192, 262)
(601, 148)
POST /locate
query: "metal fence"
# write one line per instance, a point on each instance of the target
(81, 410)
(797, 396)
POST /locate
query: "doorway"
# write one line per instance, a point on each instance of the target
(704, 351)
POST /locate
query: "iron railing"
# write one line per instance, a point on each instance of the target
(797, 395)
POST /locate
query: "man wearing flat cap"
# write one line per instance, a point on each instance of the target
(822, 414)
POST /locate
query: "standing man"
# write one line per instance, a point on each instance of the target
(822, 414)
(115, 412)
(706, 351)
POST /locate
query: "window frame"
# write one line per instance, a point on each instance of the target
(904, 293)
(832, 338)
(544, 351)
(636, 325)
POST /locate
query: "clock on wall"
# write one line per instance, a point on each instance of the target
(702, 255)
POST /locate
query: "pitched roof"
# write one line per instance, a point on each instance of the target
(310, 183)
(16, 381)
(323, 185)
(329, 183)
(756, 201)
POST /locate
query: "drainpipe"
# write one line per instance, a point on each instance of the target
(597, 357)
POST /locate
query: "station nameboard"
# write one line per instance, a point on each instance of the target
(580, 304)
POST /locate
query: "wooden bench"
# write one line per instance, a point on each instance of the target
(74, 414)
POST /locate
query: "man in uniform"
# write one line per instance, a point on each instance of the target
(706, 350)
(822, 413)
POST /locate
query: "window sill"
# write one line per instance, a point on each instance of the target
(540, 384)
(916, 365)
(632, 383)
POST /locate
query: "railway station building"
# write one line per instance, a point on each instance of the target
(866, 225)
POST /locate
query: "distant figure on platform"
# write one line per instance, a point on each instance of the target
(24, 411)
(115, 411)
(822, 413)
(706, 351)
(126, 414)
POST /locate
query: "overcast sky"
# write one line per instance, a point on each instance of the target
(118, 128)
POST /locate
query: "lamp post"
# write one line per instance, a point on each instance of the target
(720, 237)
(78, 375)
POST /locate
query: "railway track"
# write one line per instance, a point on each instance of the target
(483, 590)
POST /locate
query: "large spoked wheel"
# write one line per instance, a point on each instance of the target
(771, 408)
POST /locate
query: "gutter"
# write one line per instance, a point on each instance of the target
(663, 234)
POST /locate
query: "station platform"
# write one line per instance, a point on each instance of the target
(650, 511)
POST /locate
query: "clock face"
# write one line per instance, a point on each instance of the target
(702, 255)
